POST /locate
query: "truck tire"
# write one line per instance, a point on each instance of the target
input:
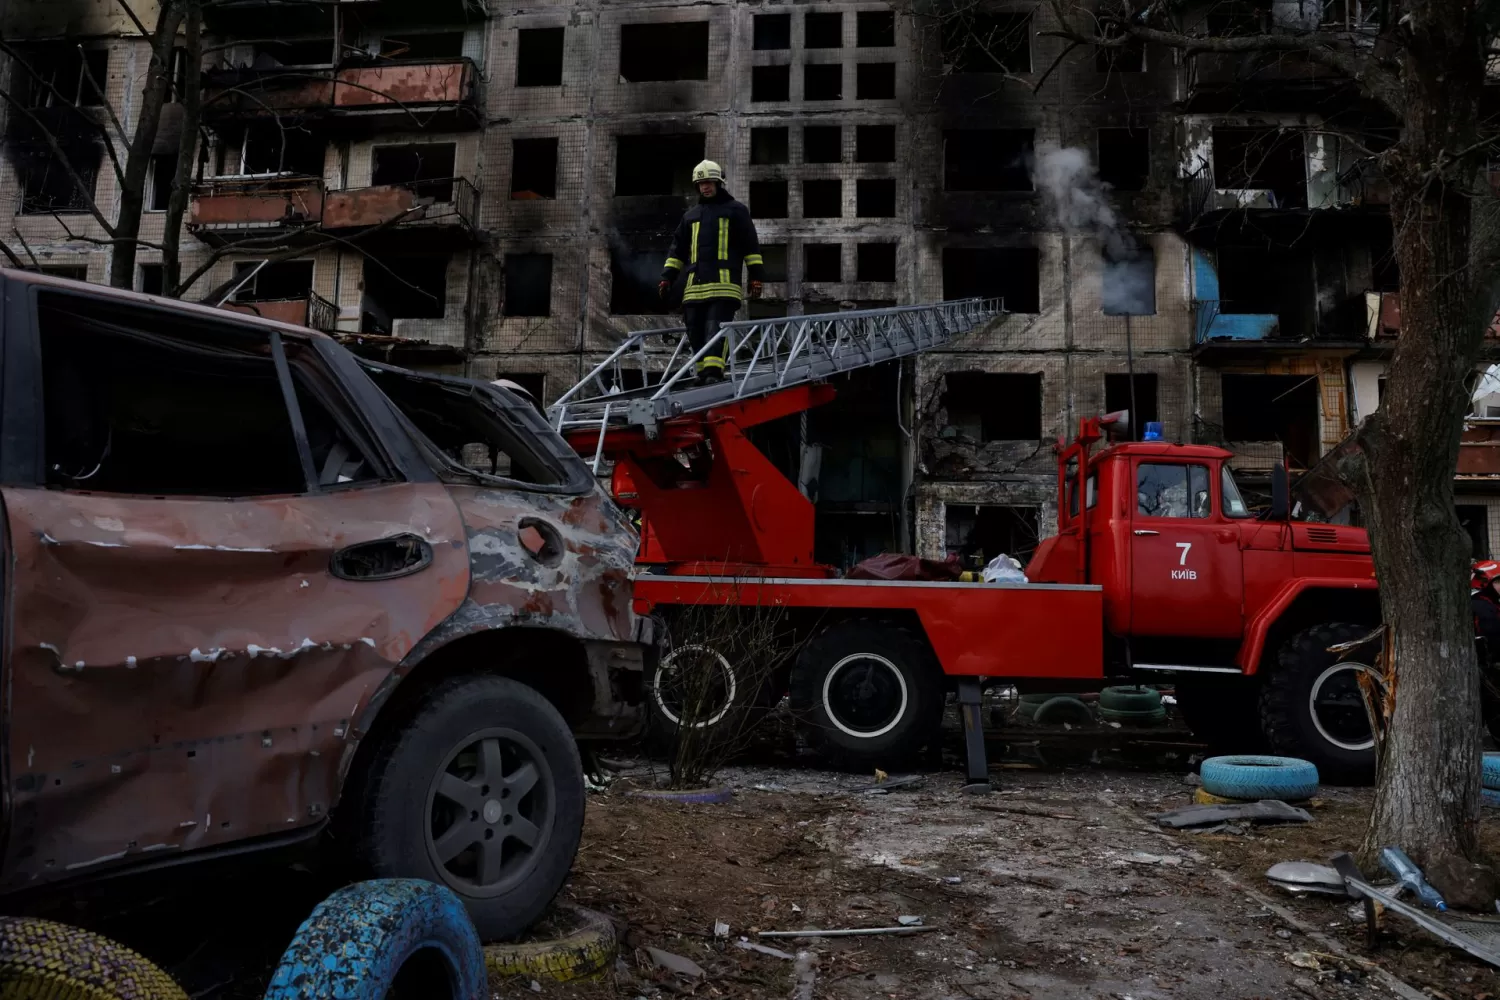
(1311, 707)
(868, 692)
(724, 696)
(482, 792)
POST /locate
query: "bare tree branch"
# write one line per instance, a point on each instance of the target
(103, 97)
(85, 189)
(27, 247)
(130, 13)
(11, 255)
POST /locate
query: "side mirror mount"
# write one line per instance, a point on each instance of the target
(1281, 503)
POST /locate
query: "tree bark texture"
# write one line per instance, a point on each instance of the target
(1427, 800)
(132, 197)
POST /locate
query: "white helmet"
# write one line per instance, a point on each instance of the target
(708, 170)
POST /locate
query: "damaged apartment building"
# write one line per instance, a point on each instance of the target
(491, 188)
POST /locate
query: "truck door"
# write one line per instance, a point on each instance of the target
(1185, 556)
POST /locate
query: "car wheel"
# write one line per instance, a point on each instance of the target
(481, 791)
(868, 692)
(1311, 706)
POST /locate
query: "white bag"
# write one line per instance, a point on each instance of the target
(1004, 569)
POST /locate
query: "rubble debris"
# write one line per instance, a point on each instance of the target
(1427, 922)
(880, 787)
(676, 963)
(845, 932)
(1464, 884)
(1142, 858)
(721, 929)
(1264, 811)
(1304, 876)
(807, 975)
(764, 949)
(909, 921)
(1024, 810)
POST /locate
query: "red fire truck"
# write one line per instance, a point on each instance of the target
(1158, 570)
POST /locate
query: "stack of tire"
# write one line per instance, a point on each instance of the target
(1252, 777)
(1054, 709)
(1131, 706)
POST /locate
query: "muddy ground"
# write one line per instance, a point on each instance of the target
(1056, 886)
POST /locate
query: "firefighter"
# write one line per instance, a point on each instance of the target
(713, 239)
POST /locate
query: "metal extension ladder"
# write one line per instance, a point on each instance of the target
(635, 386)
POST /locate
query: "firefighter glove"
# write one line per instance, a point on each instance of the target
(661, 289)
(755, 289)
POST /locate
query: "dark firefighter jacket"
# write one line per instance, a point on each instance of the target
(713, 239)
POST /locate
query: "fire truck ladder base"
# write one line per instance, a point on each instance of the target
(641, 384)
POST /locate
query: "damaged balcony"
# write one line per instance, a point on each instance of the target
(440, 95)
(311, 310)
(1256, 297)
(1383, 323)
(440, 210)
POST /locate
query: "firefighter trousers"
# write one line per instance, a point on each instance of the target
(702, 319)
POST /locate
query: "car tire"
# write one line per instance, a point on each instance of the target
(43, 959)
(434, 808)
(1311, 706)
(868, 693)
(381, 939)
(1249, 777)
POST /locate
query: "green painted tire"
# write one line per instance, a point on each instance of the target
(42, 960)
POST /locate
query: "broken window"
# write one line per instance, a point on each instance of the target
(284, 279)
(528, 284)
(73, 272)
(876, 29)
(266, 148)
(1117, 397)
(987, 159)
(875, 262)
(539, 57)
(1011, 273)
(769, 146)
(875, 81)
(159, 185)
(979, 42)
(822, 199)
(823, 31)
(978, 533)
(1125, 158)
(875, 144)
(674, 50)
(533, 171)
(822, 262)
(770, 83)
(994, 406)
(1475, 520)
(823, 82)
(474, 432)
(1163, 490)
(135, 403)
(822, 144)
(49, 185)
(656, 164)
(633, 277)
(774, 256)
(1269, 280)
(773, 31)
(1262, 159)
(1281, 408)
(150, 279)
(1128, 286)
(875, 198)
(426, 168)
(62, 75)
(426, 45)
(768, 199)
(405, 286)
(274, 52)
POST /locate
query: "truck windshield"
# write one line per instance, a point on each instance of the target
(1233, 503)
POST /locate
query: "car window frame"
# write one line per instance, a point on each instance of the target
(1210, 511)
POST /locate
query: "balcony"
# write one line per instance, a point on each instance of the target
(437, 94)
(230, 209)
(1383, 321)
(311, 310)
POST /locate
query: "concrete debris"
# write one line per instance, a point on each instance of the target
(909, 921)
(676, 963)
(1142, 858)
(1264, 811)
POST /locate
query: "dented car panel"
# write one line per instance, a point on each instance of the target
(184, 672)
(187, 673)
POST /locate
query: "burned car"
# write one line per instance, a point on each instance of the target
(261, 593)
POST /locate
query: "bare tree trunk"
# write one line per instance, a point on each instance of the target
(138, 159)
(1427, 800)
(187, 147)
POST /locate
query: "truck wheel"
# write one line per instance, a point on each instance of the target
(1311, 705)
(482, 791)
(703, 684)
(868, 692)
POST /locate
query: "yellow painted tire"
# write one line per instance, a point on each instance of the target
(42, 960)
(1210, 799)
(585, 952)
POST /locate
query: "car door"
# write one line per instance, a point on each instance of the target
(221, 555)
(1185, 558)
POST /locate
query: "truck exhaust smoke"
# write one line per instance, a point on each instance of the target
(1078, 203)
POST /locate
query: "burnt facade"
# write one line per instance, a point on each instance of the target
(506, 180)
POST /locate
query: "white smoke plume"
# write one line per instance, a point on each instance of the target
(1078, 203)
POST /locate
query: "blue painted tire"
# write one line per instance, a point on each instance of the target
(1491, 797)
(358, 940)
(694, 796)
(1491, 775)
(1251, 776)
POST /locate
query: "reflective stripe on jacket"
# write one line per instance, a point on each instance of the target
(713, 240)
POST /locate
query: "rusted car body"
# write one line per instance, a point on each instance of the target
(188, 671)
